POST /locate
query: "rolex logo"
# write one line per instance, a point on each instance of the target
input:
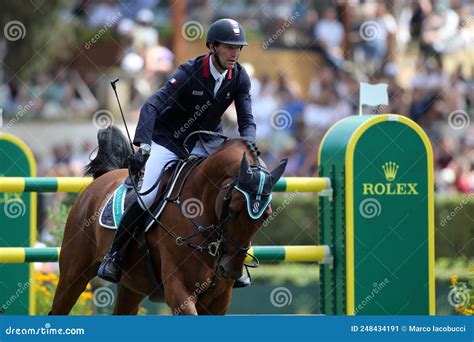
(390, 170)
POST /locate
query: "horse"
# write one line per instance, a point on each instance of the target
(193, 278)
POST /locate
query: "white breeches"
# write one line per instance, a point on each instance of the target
(159, 157)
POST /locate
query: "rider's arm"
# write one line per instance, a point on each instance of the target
(243, 106)
(166, 97)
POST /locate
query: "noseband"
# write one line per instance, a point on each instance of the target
(218, 247)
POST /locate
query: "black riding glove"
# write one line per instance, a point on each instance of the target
(137, 161)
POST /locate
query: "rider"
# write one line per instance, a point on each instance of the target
(193, 99)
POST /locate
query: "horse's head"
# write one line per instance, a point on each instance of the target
(246, 205)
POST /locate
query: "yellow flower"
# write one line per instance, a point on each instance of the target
(40, 277)
(51, 277)
(86, 295)
(454, 279)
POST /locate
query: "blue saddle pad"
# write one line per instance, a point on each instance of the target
(113, 210)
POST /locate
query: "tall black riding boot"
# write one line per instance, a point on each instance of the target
(111, 267)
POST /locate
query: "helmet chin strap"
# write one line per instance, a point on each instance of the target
(218, 61)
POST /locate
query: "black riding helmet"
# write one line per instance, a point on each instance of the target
(226, 31)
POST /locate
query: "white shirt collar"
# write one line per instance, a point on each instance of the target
(215, 73)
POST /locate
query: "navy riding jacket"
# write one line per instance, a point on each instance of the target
(186, 103)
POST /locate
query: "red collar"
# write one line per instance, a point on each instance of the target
(206, 68)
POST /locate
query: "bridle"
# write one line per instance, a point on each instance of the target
(217, 248)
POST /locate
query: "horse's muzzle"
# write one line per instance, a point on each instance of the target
(227, 268)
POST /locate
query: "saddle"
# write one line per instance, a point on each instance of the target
(124, 195)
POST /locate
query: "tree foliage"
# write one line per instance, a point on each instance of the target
(38, 34)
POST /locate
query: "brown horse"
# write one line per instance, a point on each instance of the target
(194, 279)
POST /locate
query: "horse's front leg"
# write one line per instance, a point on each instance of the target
(180, 300)
(218, 300)
(178, 297)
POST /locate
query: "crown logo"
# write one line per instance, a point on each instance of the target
(390, 170)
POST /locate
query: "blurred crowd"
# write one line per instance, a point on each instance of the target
(291, 121)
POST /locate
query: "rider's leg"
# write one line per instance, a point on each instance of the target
(111, 267)
(159, 157)
(134, 217)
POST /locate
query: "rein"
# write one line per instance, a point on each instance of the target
(216, 248)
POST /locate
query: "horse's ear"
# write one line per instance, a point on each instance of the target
(278, 171)
(244, 166)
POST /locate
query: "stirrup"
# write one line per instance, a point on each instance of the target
(110, 268)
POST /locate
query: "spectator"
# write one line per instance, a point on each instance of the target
(396, 93)
(144, 34)
(264, 105)
(375, 48)
(103, 12)
(330, 33)
(440, 26)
